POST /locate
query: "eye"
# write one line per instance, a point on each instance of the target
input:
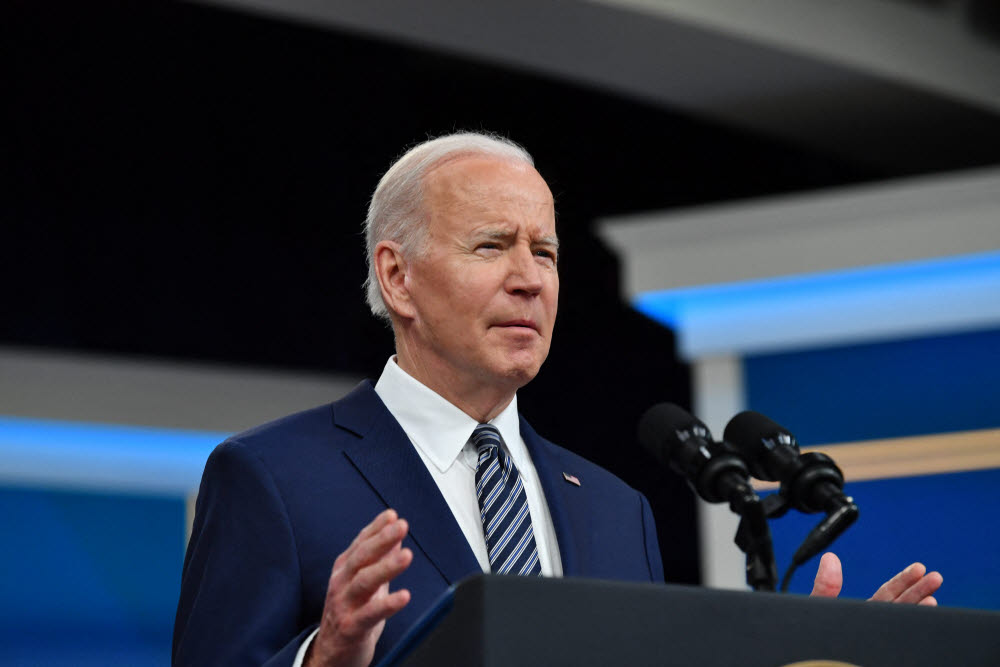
(488, 248)
(546, 254)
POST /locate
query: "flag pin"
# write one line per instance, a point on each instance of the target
(572, 479)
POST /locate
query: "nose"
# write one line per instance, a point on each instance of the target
(525, 274)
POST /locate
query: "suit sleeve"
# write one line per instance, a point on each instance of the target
(240, 595)
(652, 544)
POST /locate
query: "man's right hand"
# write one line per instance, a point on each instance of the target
(357, 597)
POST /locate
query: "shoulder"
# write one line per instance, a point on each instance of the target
(291, 461)
(548, 453)
(323, 426)
(301, 447)
(596, 509)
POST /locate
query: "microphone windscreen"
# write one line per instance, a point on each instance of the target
(750, 426)
(748, 432)
(658, 429)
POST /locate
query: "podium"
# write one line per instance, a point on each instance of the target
(493, 621)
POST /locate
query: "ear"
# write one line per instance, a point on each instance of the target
(391, 270)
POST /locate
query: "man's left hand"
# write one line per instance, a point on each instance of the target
(914, 585)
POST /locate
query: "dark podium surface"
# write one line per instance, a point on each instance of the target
(520, 621)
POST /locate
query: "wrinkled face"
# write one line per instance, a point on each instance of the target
(486, 289)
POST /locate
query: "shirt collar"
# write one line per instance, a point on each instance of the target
(435, 426)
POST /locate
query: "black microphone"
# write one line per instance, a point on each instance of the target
(678, 439)
(809, 482)
(812, 482)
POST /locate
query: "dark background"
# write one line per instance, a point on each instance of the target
(189, 183)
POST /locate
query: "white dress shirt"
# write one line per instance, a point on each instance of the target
(440, 433)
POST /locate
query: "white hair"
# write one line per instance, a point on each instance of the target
(396, 210)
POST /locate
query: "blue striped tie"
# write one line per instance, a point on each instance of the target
(503, 506)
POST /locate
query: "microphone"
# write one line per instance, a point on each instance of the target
(811, 482)
(678, 439)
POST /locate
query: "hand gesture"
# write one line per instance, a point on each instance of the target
(913, 585)
(357, 597)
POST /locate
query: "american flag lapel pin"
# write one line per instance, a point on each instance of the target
(572, 479)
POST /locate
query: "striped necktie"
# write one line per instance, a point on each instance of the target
(503, 507)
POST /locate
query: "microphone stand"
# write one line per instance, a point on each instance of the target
(817, 489)
(753, 537)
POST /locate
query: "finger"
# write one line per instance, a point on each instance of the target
(357, 625)
(376, 546)
(924, 588)
(929, 601)
(892, 589)
(380, 608)
(369, 545)
(367, 581)
(377, 524)
(829, 577)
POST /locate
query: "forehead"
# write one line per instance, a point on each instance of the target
(489, 190)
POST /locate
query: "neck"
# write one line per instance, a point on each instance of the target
(480, 400)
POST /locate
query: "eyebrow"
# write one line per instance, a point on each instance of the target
(549, 241)
(502, 235)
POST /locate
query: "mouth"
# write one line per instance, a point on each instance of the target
(526, 325)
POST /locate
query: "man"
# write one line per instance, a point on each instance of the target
(463, 255)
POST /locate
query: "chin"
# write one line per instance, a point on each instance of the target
(520, 374)
(516, 368)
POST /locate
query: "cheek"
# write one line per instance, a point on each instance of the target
(473, 294)
(552, 297)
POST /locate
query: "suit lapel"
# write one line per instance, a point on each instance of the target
(384, 456)
(563, 499)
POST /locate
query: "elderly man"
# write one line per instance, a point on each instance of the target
(463, 254)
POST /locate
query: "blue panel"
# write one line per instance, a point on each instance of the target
(88, 574)
(151, 460)
(82, 651)
(671, 306)
(884, 390)
(862, 304)
(948, 522)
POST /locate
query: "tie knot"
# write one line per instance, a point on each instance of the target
(485, 436)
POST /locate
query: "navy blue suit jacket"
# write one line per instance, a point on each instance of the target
(280, 502)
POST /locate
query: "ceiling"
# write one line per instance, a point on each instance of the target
(910, 86)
